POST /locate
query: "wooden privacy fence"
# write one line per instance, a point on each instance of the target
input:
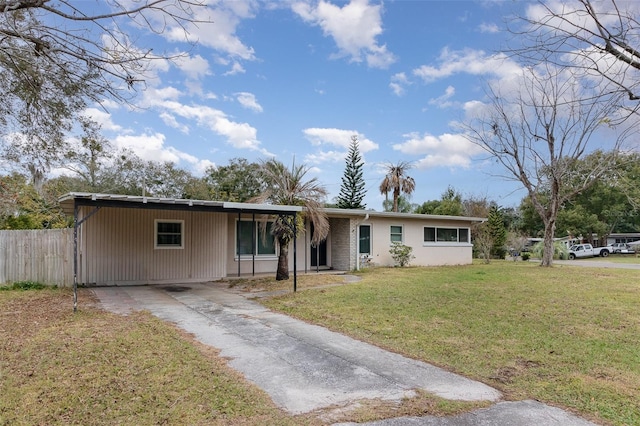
(44, 256)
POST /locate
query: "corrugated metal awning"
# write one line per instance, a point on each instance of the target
(68, 201)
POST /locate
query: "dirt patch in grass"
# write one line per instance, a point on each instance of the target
(269, 284)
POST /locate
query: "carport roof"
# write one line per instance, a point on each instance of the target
(70, 200)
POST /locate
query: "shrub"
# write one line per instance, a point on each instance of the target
(525, 256)
(560, 250)
(24, 285)
(401, 254)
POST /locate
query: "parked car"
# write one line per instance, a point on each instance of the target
(587, 250)
(622, 248)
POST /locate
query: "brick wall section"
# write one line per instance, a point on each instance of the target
(342, 244)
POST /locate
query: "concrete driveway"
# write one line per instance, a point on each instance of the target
(304, 367)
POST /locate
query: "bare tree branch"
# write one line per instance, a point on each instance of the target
(538, 131)
(599, 38)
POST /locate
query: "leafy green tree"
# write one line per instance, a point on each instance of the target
(288, 187)
(352, 190)
(605, 207)
(238, 181)
(428, 207)
(22, 207)
(404, 205)
(578, 222)
(38, 102)
(450, 204)
(397, 181)
(497, 231)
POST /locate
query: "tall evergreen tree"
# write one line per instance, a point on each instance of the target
(497, 231)
(352, 190)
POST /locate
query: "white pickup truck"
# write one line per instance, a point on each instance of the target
(587, 250)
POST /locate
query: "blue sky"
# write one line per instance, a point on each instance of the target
(295, 79)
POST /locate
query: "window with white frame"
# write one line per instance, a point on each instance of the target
(169, 234)
(434, 234)
(396, 233)
(251, 239)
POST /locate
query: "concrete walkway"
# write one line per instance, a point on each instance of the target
(304, 367)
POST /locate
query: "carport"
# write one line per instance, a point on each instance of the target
(125, 223)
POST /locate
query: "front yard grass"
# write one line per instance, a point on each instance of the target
(566, 336)
(98, 368)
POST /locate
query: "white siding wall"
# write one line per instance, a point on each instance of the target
(117, 247)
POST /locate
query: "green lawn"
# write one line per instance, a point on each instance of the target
(565, 335)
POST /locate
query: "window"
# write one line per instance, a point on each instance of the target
(251, 239)
(396, 234)
(365, 239)
(169, 234)
(446, 235)
(429, 234)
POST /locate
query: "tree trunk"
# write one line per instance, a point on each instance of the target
(396, 195)
(37, 178)
(547, 253)
(282, 272)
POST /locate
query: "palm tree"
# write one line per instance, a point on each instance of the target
(397, 181)
(288, 187)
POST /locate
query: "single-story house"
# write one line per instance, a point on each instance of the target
(627, 237)
(124, 240)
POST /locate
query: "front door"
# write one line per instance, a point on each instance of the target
(318, 252)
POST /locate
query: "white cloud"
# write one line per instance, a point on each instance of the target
(215, 27)
(447, 150)
(238, 135)
(248, 100)
(338, 137)
(468, 61)
(398, 83)
(443, 101)
(171, 121)
(195, 67)
(201, 166)
(354, 28)
(151, 147)
(236, 68)
(103, 118)
(323, 157)
(148, 147)
(488, 28)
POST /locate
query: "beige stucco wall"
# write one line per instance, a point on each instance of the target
(116, 246)
(426, 254)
